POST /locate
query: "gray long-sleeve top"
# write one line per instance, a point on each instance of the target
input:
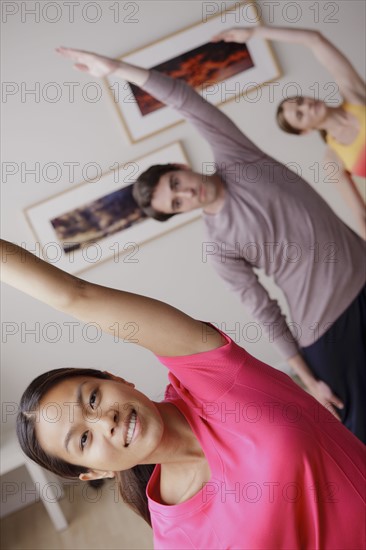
(271, 219)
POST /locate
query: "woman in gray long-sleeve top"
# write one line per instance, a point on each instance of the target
(274, 221)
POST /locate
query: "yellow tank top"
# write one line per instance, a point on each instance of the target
(353, 155)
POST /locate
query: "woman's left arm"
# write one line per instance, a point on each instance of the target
(351, 85)
(156, 326)
(346, 186)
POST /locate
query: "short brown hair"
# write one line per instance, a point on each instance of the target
(145, 185)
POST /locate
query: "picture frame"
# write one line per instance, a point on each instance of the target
(99, 220)
(256, 67)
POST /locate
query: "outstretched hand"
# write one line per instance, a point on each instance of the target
(322, 392)
(91, 63)
(236, 34)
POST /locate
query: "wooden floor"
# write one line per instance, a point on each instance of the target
(97, 520)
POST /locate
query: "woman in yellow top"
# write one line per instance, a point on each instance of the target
(342, 127)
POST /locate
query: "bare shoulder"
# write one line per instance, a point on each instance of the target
(331, 156)
(356, 96)
(353, 89)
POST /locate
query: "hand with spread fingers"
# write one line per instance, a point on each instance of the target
(239, 35)
(88, 62)
(322, 392)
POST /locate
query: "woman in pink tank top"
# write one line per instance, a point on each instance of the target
(235, 456)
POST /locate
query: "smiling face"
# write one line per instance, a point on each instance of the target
(183, 190)
(104, 425)
(304, 113)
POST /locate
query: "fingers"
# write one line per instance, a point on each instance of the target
(326, 392)
(332, 410)
(226, 36)
(217, 37)
(337, 402)
(72, 53)
(328, 399)
(82, 59)
(81, 67)
(332, 402)
(67, 52)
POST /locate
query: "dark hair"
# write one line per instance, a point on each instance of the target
(132, 483)
(286, 126)
(144, 187)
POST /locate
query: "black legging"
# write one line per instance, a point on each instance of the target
(339, 358)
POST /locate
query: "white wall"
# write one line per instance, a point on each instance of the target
(169, 268)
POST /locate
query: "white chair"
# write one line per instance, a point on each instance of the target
(47, 485)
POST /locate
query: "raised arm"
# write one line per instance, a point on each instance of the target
(220, 132)
(101, 66)
(347, 188)
(155, 325)
(349, 81)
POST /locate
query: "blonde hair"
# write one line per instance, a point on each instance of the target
(286, 126)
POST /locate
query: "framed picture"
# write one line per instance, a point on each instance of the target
(100, 220)
(219, 71)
